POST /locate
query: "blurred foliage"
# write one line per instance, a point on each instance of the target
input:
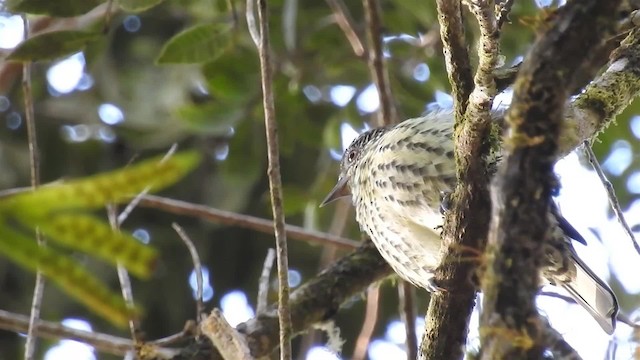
(56, 211)
(206, 96)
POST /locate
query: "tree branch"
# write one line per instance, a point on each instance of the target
(250, 222)
(510, 324)
(275, 181)
(467, 223)
(315, 301)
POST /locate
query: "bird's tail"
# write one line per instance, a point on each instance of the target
(594, 295)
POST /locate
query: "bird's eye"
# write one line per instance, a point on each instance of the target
(351, 156)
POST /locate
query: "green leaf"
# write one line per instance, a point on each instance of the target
(57, 8)
(138, 5)
(197, 44)
(52, 45)
(56, 211)
(98, 190)
(90, 235)
(66, 274)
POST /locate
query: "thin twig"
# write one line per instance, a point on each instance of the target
(197, 267)
(556, 295)
(345, 22)
(34, 165)
(116, 221)
(53, 330)
(369, 324)
(125, 280)
(377, 67)
(190, 329)
(406, 293)
(251, 23)
(275, 183)
(263, 286)
(250, 222)
(611, 194)
(503, 14)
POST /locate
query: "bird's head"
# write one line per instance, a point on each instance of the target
(351, 160)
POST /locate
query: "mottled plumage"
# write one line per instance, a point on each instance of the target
(396, 176)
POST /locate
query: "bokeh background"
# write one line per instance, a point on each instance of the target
(98, 109)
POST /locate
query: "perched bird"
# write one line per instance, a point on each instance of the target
(396, 175)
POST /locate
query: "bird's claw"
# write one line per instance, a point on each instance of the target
(445, 202)
(433, 287)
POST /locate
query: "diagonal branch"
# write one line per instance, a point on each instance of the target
(467, 223)
(510, 324)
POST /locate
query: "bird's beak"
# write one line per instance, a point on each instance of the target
(340, 190)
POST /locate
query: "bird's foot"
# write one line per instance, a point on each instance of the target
(433, 287)
(445, 201)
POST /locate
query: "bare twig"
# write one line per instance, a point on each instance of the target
(377, 66)
(344, 20)
(251, 23)
(556, 295)
(224, 337)
(197, 267)
(263, 286)
(246, 221)
(611, 194)
(369, 324)
(125, 280)
(116, 221)
(275, 183)
(52, 330)
(190, 329)
(406, 293)
(34, 165)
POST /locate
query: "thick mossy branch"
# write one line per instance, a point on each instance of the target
(316, 301)
(606, 97)
(510, 326)
(467, 223)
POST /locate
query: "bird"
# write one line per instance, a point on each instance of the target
(396, 176)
